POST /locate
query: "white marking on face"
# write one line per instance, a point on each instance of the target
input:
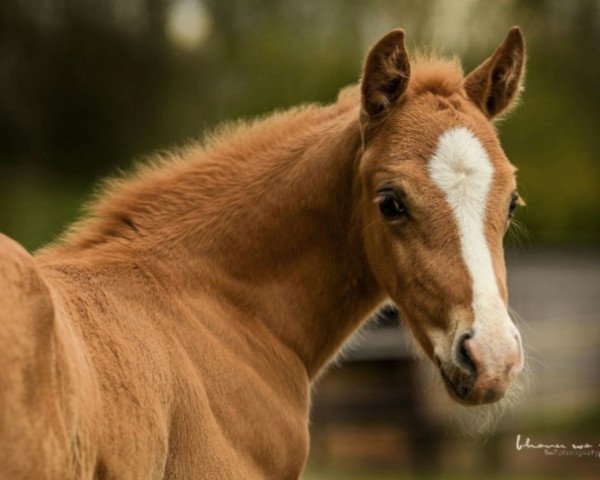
(462, 169)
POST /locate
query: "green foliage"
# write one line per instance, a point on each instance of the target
(35, 212)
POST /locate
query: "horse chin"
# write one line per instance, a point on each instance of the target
(461, 388)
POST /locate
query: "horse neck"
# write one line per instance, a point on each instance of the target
(274, 230)
(286, 241)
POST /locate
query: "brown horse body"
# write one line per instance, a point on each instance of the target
(175, 333)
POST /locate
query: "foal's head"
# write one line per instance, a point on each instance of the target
(438, 196)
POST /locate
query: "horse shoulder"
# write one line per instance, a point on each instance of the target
(232, 366)
(114, 348)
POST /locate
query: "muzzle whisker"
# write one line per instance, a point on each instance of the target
(517, 319)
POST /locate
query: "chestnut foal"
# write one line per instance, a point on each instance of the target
(175, 331)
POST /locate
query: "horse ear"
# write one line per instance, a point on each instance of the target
(385, 74)
(495, 85)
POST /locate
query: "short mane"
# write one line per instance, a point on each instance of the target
(120, 201)
(436, 74)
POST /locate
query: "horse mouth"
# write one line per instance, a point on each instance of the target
(458, 385)
(461, 387)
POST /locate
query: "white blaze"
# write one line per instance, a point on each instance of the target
(462, 169)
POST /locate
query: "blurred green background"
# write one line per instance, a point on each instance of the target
(88, 86)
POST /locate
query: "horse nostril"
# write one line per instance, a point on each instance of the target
(463, 356)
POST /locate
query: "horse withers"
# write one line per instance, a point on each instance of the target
(175, 331)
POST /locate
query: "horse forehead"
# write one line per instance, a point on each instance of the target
(423, 127)
(466, 146)
(460, 161)
(466, 165)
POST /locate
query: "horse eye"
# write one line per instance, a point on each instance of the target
(390, 206)
(514, 203)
